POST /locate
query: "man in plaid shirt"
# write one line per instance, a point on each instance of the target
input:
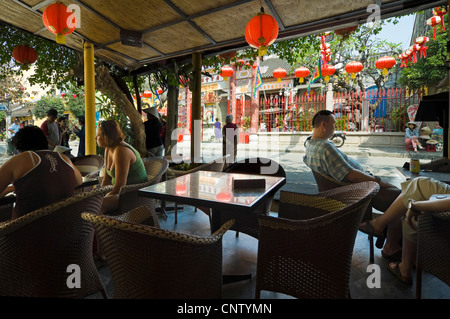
(323, 157)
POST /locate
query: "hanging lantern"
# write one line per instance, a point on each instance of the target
(261, 31)
(408, 54)
(147, 94)
(327, 71)
(385, 63)
(404, 58)
(301, 73)
(353, 68)
(345, 32)
(160, 91)
(240, 63)
(56, 20)
(414, 49)
(423, 48)
(254, 66)
(434, 22)
(440, 12)
(25, 55)
(226, 72)
(279, 73)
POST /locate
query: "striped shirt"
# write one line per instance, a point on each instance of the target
(323, 157)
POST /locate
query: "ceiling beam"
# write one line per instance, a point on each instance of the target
(275, 14)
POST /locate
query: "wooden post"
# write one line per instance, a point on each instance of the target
(138, 96)
(89, 91)
(196, 128)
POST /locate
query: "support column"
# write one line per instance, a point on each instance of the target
(254, 108)
(138, 96)
(196, 127)
(448, 120)
(233, 92)
(329, 96)
(89, 91)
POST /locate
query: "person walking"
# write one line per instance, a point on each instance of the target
(230, 133)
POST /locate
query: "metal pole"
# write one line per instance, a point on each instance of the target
(196, 109)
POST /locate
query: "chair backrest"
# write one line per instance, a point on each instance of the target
(37, 249)
(156, 167)
(89, 165)
(325, 182)
(147, 262)
(310, 256)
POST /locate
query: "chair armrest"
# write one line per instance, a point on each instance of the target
(140, 215)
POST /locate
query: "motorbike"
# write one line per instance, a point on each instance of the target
(338, 138)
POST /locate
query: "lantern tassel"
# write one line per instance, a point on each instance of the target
(60, 39)
(434, 34)
(423, 51)
(262, 50)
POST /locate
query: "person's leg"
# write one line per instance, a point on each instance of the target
(409, 252)
(110, 203)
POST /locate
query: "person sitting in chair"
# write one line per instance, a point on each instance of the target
(323, 157)
(411, 136)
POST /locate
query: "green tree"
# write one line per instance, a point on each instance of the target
(429, 71)
(47, 103)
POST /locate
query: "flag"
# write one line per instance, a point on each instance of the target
(155, 96)
(258, 82)
(317, 74)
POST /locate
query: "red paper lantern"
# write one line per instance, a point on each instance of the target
(423, 48)
(58, 20)
(226, 72)
(327, 71)
(434, 22)
(25, 55)
(261, 31)
(147, 94)
(385, 63)
(160, 91)
(301, 73)
(279, 73)
(240, 63)
(353, 68)
(404, 59)
(440, 12)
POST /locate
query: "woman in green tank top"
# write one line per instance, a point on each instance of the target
(123, 164)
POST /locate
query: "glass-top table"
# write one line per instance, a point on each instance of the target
(214, 190)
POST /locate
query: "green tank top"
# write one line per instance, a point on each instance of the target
(136, 174)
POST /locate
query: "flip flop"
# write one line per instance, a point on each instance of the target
(367, 228)
(396, 272)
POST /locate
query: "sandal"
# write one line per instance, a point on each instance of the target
(396, 272)
(367, 228)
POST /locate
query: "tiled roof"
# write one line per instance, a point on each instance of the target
(270, 63)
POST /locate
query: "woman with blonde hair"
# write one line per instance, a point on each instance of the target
(123, 163)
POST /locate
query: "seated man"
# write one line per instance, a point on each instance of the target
(323, 157)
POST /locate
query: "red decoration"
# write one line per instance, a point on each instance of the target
(434, 22)
(385, 63)
(353, 68)
(25, 55)
(56, 20)
(223, 197)
(423, 48)
(63, 95)
(160, 91)
(327, 71)
(261, 31)
(228, 55)
(254, 65)
(147, 94)
(404, 59)
(226, 72)
(345, 32)
(301, 73)
(240, 63)
(279, 73)
(74, 96)
(440, 12)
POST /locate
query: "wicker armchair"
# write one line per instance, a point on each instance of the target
(433, 248)
(6, 209)
(147, 262)
(129, 197)
(307, 251)
(324, 183)
(248, 223)
(89, 165)
(37, 248)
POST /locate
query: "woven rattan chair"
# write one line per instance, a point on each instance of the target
(89, 165)
(6, 209)
(129, 197)
(324, 183)
(37, 248)
(248, 223)
(306, 252)
(147, 262)
(433, 248)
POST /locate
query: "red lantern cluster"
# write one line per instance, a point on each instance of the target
(325, 51)
(57, 19)
(353, 68)
(440, 12)
(261, 31)
(25, 55)
(147, 94)
(279, 73)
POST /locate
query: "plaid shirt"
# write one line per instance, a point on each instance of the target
(323, 157)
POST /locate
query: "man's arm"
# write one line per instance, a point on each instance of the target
(357, 176)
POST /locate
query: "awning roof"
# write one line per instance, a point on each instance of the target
(177, 28)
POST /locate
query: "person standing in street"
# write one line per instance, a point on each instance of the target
(80, 132)
(229, 142)
(12, 130)
(153, 128)
(51, 129)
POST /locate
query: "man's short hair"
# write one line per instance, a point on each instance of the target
(52, 112)
(320, 116)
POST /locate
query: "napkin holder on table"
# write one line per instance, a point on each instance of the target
(249, 183)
